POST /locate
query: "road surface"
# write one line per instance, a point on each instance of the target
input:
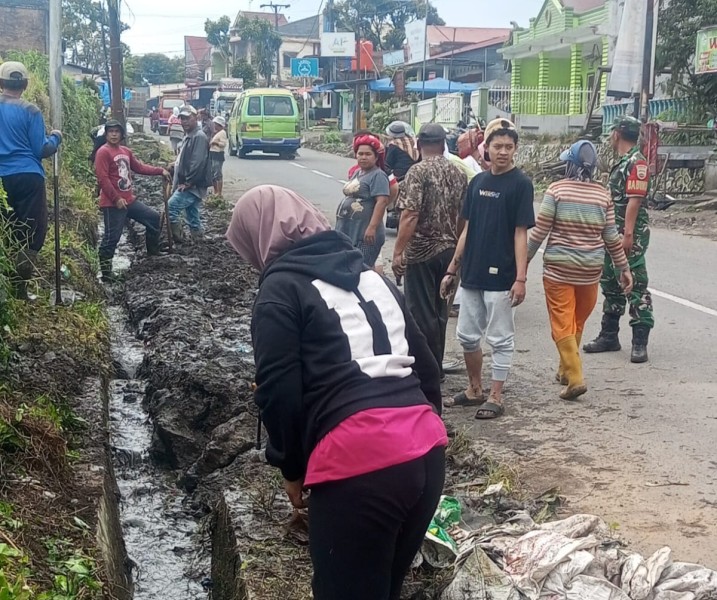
(640, 449)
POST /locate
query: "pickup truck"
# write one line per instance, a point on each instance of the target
(166, 106)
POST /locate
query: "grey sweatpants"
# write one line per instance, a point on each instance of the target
(489, 316)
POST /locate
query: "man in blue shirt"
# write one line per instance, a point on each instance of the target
(23, 145)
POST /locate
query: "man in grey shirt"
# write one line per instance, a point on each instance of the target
(192, 176)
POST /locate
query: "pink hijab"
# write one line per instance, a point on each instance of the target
(268, 219)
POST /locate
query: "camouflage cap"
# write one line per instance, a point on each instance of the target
(498, 125)
(627, 124)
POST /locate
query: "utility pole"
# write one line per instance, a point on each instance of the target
(276, 8)
(116, 86)
(425, 53)
(647, 61)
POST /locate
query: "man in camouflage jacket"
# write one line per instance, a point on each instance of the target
(630, 188)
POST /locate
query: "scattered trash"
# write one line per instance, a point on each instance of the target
(573, 559)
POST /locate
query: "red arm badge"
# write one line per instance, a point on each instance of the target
(638, 180)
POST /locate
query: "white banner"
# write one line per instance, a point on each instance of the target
(340, 44)
(416, 41)
(626, 76)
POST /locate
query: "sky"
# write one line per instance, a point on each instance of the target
(153, 30)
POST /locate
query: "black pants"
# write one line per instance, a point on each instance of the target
(422, 288)
(115, 219)
(27, 197)
(364, 532)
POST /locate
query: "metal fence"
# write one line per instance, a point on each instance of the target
(540, 101)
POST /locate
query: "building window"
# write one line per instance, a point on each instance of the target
(287, 59)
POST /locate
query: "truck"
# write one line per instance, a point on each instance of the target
(227, 92)
(167, 104)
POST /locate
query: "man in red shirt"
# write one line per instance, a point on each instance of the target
(114, 165)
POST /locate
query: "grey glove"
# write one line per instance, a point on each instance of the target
(58, 133)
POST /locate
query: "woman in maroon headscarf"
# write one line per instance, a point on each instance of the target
(349, 393)
(361, 213)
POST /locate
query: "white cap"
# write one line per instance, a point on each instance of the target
(219, 120)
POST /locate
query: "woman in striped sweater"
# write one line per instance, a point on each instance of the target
(578, 219)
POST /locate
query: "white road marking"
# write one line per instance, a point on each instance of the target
(343, 181)
(688, 303)
(677, 300)
(322, 174)
(298, 165)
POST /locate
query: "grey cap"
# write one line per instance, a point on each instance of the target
(397, 130)
(187, 110)
(432, 133)
(13, 71)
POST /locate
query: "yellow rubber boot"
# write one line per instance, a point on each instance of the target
(570, 358)
(560, 376)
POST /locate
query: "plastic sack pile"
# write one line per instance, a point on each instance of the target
(573, 559)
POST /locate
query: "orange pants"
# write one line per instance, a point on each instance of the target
(569, 306)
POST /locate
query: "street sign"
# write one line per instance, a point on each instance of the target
(706, 54)
(304, 67)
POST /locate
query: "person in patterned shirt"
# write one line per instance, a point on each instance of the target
(578, 220)
(431, 202)
(630, 188)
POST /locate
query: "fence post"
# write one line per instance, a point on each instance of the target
(483, 103)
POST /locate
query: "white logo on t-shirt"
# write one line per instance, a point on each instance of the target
(489, 193)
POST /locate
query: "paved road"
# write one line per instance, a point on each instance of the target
(640, 449)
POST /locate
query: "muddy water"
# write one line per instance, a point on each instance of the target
(159, 532)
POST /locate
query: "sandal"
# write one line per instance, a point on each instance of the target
(490, 410)
(463, 400)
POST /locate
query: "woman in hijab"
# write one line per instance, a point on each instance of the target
(175, 130)
(366, 196)
(349, 394)
(401, 151)
(578, 219)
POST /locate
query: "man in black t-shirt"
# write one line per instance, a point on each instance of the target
(492, 255)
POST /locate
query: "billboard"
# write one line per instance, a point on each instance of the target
(339, 44)
(416, 41)
(394, 58)
(626, 76)
(706, 53)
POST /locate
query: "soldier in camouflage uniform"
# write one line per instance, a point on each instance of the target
(630, 189)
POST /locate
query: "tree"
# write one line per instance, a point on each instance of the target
(156, 68)
(265, 43)
(677, 32)
(242, 69)
(218, 36)
(383, 22)
(84, 29)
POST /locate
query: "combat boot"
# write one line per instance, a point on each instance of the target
(640, 336)
(24, 269)
(607, 340)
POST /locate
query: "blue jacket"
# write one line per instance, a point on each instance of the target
(23, 143)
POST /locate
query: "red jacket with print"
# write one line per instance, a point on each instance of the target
(114, 166)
